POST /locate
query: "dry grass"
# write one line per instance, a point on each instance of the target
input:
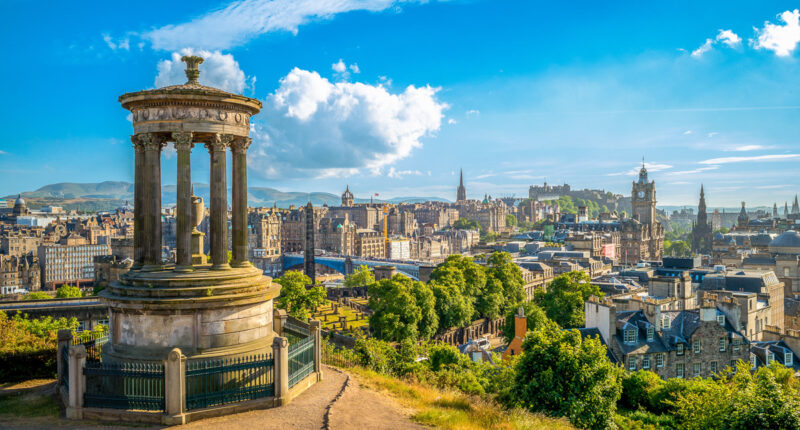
(454, 410)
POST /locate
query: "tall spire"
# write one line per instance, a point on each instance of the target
(461, 193)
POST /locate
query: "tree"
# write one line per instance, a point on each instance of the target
(402, 309)
(453, 308)
(361, 277)
(565, 297)
(678, 248)
(67, 292)
(491, 302)
(298, 299)
(511, 220)
(465, 224)
(561, 373)
(500, 266)
(37, 295)
(534, 315)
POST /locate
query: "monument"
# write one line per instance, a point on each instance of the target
(219, 309)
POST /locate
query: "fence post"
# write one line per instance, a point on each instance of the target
(315, 329)
(280, 354)
(279, 321)
(77, 381)
(64, 339)
(175, 388)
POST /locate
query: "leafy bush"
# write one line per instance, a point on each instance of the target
(636, 388)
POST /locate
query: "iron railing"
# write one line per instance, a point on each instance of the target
(296, 329)
(219, 382)
(93, 341)
(301, 360)
(124, 386)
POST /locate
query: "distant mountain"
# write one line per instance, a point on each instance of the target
(110, 195)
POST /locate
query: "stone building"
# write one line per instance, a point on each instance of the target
(642, 236)
(702, 232)
(461, 192)
(369, 244)
(70, 262)
(108, 268)
(265, 252)
(19, 272)
(20, 242)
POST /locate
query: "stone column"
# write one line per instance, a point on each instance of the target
(280, 355)
(77, 382)
(279, 318)
(152, 143)
(218, 221)
(316, 331)
(138, 188)
(183, 215)
(239, 218)
(174, 388)
(64, 339)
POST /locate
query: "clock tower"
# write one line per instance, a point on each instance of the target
(643, 198)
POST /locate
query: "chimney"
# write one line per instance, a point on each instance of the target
(520, 323)
(708, 312)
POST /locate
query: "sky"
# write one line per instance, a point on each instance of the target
(395, 96)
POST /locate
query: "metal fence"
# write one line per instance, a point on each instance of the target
(92, 341)
(219, 382)
(338, 356)
(301, 360)
(124, 386)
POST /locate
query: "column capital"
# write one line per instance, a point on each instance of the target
(137, 145)
(152, 141)
(240, 144)
(219, 142)
(183, 140)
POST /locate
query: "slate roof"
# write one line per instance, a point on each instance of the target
(777, 347)
(594, 333)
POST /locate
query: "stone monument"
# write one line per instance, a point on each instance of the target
(216, 310)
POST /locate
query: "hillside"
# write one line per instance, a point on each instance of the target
(109, 195)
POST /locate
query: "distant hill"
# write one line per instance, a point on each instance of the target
(109, 195)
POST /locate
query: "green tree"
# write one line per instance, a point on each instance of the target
(678, 248)
(465, 224)
(561, 373)
(361, 277)
(535, 316)
(453, 308)
(500, 266)
(296, 297)
(68, 292)
(37, 295)
(565, 297)
(402, 309)
(511, 220)
(490, 303)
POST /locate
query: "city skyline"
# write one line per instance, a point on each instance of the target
(705, 95)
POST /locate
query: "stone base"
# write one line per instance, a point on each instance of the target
(206, 313)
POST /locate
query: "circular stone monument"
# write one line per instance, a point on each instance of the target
(208, 310)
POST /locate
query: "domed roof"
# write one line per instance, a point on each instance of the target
(788, 239)
(20, 201)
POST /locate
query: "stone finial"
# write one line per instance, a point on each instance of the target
(192, 71)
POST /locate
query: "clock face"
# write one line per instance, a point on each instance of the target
(641, 194)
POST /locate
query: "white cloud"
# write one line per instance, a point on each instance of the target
(3, 152)
(713, 133)
(339, 67)
(743, 148)
(123, 43)
(243, 20)
(729, 38)
(342, 70)
(473, 112)
(693, 171)
(705, 47)
(311, 126)
(651, 167)
(218, 70)
(780, 39)
(451, 121)
(771, 157)
(398, 174)
(354, 68)
(687, 132)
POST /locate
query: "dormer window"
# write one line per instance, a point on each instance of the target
(788, 359)
(770, 358)
(651, 333)
(721, 319)
(665, 322)
(753, 360)
(679, 349)
(630, 335)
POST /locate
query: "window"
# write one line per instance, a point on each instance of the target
(722, 344)
(721, 319)
(630, 335)
(788, 359)
(660, 360)
(632, 363)
(646, 362)
(697, 346)
(679, 370)
(679, 348)
(753, 360)
(665, 322)
(736, 344)
(713, 367)
(651, 332)
(770, 358)
(698, 367)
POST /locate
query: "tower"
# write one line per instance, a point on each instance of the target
(743, 218)
(347, 197)
(461, 194)
(795, 206)
(775, 210)
(701, 230)
(643, 198)
(309, 265)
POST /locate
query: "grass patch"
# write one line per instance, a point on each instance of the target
(452, 409)
(627, 419)
(29, 405)
(330, 321)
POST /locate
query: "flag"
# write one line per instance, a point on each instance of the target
(376, 194)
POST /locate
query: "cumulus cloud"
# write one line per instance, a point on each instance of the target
(311, 126)
(241, 21)
(123, 43)
(780, 39)
(705, 47)
(729, 38)
(343, 71)
(771, 157)
(218, 70)
(451, 121)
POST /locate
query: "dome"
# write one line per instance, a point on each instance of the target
(20, 201)
(786, 243)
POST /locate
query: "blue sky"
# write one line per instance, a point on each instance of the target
(393, 97)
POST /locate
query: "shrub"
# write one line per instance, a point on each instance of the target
(636, 388)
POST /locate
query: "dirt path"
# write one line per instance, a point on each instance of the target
(360, 408)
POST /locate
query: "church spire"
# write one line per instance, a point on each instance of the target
(461, 192)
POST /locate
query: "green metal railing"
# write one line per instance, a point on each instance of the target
(93, 342)
(296, 329)
(124, 386)
(301, 360)
(219, 382)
